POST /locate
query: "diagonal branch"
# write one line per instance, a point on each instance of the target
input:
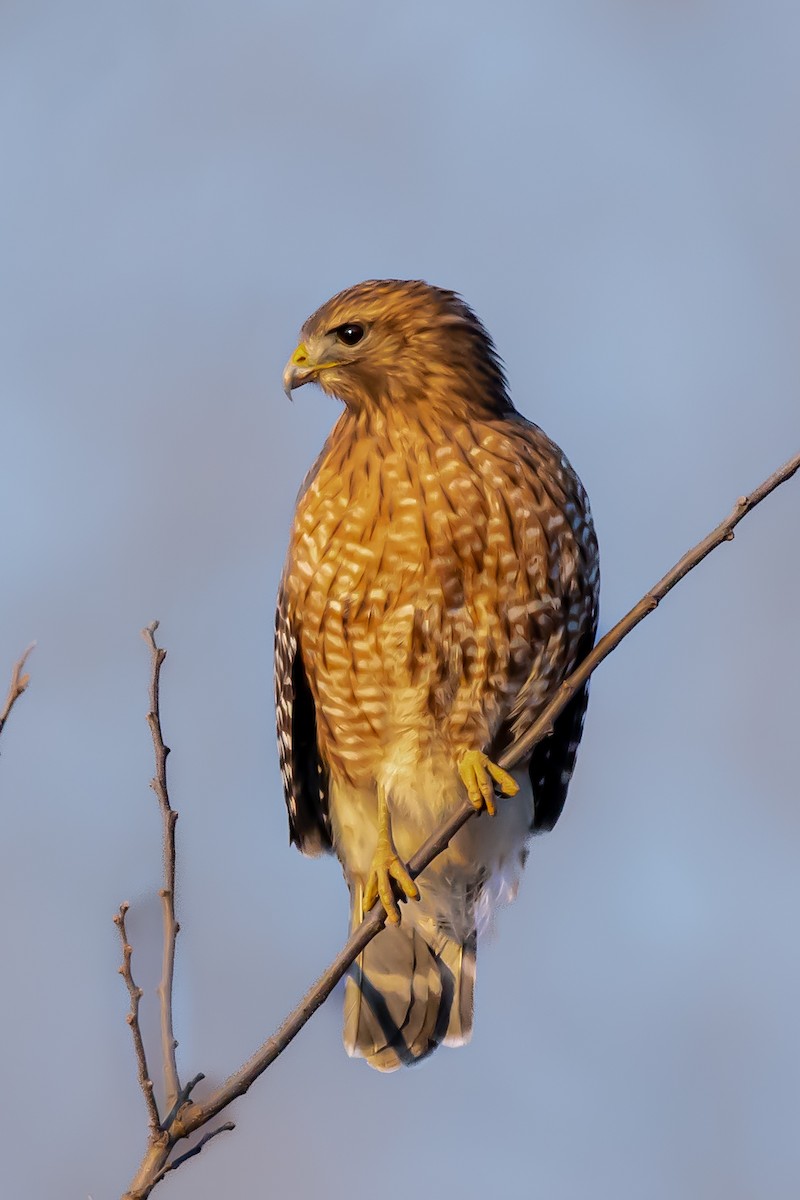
(192, 1116)
(19, 682)
(172, 1084)
(648, 603)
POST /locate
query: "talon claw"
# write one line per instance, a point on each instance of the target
(507, 783)
(387, 869)
(399, 872)
(477, 771)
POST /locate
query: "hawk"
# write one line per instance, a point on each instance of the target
(441, 581)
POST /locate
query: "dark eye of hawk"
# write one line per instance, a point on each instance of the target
(349, 334)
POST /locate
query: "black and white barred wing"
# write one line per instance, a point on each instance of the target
(305, 780)
(553, 759)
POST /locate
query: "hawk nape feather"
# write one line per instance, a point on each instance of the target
(441, 581)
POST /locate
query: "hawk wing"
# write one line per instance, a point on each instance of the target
(305, 778)
(553, 759)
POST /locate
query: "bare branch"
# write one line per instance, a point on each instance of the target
(145, 1082)
(190, 1117)
(172, 1084)
(19, 682)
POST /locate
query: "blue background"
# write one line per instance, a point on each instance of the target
(614, 187)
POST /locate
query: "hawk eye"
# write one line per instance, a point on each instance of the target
(350, 334)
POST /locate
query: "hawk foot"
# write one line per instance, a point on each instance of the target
(388, 874)
(477, 772)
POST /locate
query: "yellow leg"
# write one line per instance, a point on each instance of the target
(475, 769)
(387, 870)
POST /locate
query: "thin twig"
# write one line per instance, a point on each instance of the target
(183, 1096)
(228, 1127)
(145, 1082)
(172, 1083)
(193, 1116)
(19, 682)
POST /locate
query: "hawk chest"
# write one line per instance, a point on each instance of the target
(427, 581)
(379, 538)
(416, 558)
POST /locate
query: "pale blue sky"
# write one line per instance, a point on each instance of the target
(614, 187)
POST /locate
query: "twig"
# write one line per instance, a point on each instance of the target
(172, 1083)
(145, 1082)
(183, 1096)
(228, 1127)
(19, 682)
(192, 1116)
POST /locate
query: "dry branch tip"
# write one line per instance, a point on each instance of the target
(18, 685)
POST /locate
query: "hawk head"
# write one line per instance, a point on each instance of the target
(394, 343)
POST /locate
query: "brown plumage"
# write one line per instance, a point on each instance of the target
(441, 580)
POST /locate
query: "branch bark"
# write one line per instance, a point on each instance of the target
(135, 993)
(169, 817)
(188, 1116)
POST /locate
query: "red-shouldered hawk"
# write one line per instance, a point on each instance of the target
(441, 581)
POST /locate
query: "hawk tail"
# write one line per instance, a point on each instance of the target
(410, 991)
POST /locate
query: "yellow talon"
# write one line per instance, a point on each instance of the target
(475, 769)
(387, 869)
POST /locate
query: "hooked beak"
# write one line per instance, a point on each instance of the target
(299, 370)
(302, 368)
